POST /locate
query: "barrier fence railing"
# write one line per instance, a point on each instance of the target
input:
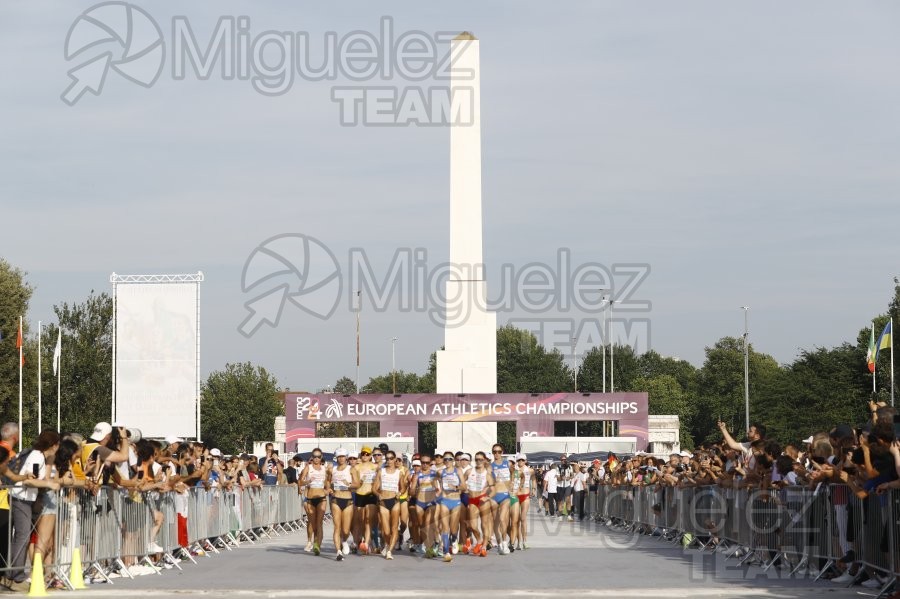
(112, 529)
(794, 528)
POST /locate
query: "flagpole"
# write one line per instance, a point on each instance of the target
(58, 379)
(874, 365)
(358, 306)
(39, 377)
(892, 360)
(20, 383)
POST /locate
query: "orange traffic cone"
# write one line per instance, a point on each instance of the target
(37, 577)
(76, 576)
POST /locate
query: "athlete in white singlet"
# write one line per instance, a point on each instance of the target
(479, 484)
(344, 480)
(389, 484)
(315, 477)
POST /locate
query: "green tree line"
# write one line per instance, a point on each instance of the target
(820, 388)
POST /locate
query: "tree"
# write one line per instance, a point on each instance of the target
(238, 405)
(407, 382)
(721, 388)
(524, 366)
(822, 388)
(666, 396)
(15, 293)
(590, 374)
(86, 363)
(651, 364)
(345, 386)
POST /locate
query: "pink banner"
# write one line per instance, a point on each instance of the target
(534, 414)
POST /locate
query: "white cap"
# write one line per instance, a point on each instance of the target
(417, 462)
(521, 456)
(172, 440)
(340, 451)
(353, 454)
(808, 440)
(101, 430)
(215, 451)
(685, 454)
(465, 456)
(639, 453)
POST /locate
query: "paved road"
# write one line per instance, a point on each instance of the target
(563, 558)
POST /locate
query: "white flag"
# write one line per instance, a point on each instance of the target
(57, 352)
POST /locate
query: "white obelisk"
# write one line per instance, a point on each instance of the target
(468, 362)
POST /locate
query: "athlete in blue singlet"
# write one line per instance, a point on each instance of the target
(426, 495)
(452, 483)
(502, 472)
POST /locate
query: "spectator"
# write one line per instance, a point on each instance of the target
(551, 487)
(24, 495)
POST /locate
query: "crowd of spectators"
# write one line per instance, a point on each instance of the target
(863, 461)
(111, 456)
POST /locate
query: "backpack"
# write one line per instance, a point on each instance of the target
(16, 464)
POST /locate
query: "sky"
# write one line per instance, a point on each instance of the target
(742, 154)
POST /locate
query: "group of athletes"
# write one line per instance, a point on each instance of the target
(446, 502)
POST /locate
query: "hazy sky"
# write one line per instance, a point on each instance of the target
(748, 153)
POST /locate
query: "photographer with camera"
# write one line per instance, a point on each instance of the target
(270, 467)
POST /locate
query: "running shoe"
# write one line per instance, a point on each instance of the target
(483, 552)
(340, 557)
(429, 553)
(571, 519)
(438, 552)
(363, 548)
(384, 552)
(448, 558)
(412, 547)
(388, 555)
(524, 546)
(345, 548)
(477, 549)
(467, 546)
(454, 548)
(308, 547)
(316, 549)
(511, 549)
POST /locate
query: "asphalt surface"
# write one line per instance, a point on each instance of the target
(563, 558)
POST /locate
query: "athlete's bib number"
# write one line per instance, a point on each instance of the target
(388, 484)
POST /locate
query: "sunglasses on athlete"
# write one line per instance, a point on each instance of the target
(497, 451)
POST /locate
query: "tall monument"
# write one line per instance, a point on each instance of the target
(468, 362)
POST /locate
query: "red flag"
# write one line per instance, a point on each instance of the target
(19, 344)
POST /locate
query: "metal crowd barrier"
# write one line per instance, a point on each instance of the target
(113, 529)
(793, 528)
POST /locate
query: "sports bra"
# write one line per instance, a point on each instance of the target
(341, 479)
(521, 480)
(476, 482)
(500, 471)
(316, 478)
(367, 476)
(390, 482)
(450, 480)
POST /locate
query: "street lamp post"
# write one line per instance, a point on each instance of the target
(612, 347)
(605, 338)
(746, 310)
(575, 362)
(394, 364)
